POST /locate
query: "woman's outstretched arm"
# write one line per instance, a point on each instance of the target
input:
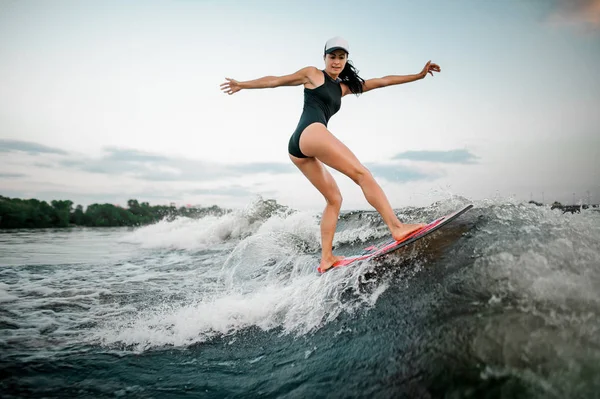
(391, 80)
(297, 78)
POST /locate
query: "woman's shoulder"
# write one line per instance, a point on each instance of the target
(312, 70)
(314, 75)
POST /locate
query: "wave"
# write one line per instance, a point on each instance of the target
(511, 253)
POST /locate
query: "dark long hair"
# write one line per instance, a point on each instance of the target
(350, 77)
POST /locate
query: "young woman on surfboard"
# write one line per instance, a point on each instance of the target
(312, 146)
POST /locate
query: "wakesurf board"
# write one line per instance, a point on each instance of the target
(376, 251)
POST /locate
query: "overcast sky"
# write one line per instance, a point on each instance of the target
(102, 101)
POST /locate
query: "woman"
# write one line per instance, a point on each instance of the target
(312, 145)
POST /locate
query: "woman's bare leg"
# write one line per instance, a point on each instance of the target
(316, 141)
(316, 173)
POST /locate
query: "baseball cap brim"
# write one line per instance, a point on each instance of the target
(331, 50)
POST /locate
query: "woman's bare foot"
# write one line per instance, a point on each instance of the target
(328, 262)
(403, 230)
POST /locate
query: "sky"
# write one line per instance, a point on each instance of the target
(107, 101)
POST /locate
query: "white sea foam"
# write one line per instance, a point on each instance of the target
(266, 281)
(205, 232)
(296, 306)
(190, 234)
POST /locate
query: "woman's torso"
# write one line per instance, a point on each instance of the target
(323, 101)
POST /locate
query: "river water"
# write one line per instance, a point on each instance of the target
(502, 303)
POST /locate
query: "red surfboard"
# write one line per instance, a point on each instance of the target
(389, 246)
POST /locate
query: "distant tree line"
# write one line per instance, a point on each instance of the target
(31, 213)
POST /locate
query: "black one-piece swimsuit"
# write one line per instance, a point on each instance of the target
(320, 104)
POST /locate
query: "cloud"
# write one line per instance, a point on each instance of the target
(450, 156)
(28, 147)
(234, 190)
(129, 173)
(119, 154)
(264, 167)
(153, 167)
(398, 173)
(43, 165)
(11, 175)
(585, 13)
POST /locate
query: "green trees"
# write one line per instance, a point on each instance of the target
(78, 217)
(62, 213)
(16, 213)
(32, 213)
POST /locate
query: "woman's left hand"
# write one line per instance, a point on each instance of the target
(231, 86)
(430, 68)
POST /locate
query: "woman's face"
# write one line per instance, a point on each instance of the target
(335, 62)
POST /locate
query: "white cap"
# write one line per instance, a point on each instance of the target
(336, 43)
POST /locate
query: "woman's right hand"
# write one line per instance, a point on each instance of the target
(231, 86)
(429, 68)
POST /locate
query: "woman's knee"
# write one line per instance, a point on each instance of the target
(361, 175)
(334, 200)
